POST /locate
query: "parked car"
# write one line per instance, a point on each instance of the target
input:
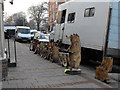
(38, 37)
(43, 38)
(22, 33)
(32, 32)
(9, 31)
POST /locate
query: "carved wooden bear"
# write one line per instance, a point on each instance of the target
(104, 68)
(75, 52)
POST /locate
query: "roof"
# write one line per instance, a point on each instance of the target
(9, 27)
(22, 27)
(33, 30)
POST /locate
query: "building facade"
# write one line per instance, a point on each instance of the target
(53, 10)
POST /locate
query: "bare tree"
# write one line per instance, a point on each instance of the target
(8, 21)
(32, 24)
(45, 25)
(20, 19)
(37, 13)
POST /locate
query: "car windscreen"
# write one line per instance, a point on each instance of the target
(43, 37)
(23, 30)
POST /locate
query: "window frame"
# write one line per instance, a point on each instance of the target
(69, 19)
(63, 16)
(91, 12)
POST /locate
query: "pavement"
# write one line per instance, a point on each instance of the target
(0, 85)
(32, 71)
(115, 76)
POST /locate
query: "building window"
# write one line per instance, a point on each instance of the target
(71, 18)
(89, 12)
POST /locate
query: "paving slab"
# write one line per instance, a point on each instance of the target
(32, 71)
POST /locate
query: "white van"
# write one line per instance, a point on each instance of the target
(22, 33)
(95, 22)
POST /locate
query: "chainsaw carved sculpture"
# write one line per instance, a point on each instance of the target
(75, 52)
(103, 70)
(55, 53)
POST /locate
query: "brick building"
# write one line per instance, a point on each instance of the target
(53, 9)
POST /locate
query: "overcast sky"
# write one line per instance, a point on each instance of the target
(23, 5)
(19, 5)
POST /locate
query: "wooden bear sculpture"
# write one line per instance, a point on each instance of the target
(75, 52)
(41, 49)
(104, 68)
(55, 53)
(50, 50)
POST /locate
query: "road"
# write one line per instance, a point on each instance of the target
(32, 71)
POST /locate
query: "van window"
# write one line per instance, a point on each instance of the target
(63, 16)
(89, 12)
(71, 17)
(23, 31)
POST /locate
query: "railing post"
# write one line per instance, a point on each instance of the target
(2, 48)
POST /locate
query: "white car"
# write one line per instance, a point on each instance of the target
(33, 32)
(43, 38)
(40, 37)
